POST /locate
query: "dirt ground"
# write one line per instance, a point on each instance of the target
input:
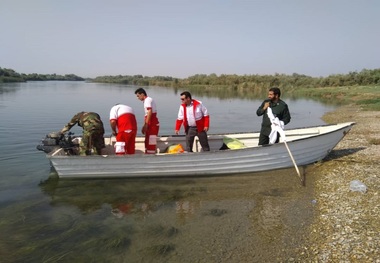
(346, 227)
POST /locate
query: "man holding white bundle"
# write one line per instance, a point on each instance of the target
(275, 114)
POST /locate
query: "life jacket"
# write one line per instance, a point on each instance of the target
(176, 148)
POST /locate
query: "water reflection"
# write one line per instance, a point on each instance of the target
(9, 87)
(225, 94)
(178, 219)
(124, 196)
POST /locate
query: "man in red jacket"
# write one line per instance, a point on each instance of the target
(151, 124)
(195, 119)
(124, 126)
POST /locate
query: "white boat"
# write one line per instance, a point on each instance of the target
(307, 145)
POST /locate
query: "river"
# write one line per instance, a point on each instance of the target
(258, 217)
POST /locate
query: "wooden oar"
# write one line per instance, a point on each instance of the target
(294, 162)
(282, 134)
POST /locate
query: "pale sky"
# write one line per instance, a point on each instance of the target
(181, 38)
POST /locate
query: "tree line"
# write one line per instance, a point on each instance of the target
(231, 82)
(249, 82)
(139, 80)
(9, 75)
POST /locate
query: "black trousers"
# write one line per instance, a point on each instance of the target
(202, 136)
(264, 139)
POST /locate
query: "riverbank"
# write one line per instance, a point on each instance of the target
(346, 227)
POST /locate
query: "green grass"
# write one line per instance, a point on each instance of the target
(370, 104)
(366, 96)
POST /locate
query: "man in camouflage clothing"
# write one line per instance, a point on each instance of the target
(93, 132)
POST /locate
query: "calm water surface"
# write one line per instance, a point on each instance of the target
(240, 218)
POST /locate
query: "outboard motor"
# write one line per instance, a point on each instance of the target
(55, 140)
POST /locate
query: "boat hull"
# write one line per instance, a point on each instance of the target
(305, 150)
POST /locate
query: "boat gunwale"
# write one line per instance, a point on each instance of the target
(213, 152)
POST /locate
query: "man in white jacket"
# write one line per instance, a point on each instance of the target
(195, 119)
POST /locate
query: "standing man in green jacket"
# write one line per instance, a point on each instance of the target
(280, 110)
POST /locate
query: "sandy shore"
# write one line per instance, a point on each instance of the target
(347, 225)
